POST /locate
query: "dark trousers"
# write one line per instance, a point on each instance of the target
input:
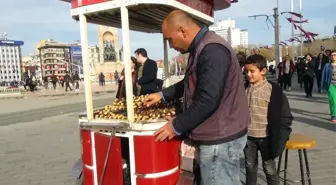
(54, 84)
(308, 83)
(318, 74)
(77, 84)
(287, 81)
(254, 145)
(67, 85)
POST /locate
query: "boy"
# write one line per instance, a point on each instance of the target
(271, 119)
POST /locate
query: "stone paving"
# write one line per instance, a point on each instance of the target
(59, 91)
(42, 152)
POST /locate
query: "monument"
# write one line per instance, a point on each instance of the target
(109, 52)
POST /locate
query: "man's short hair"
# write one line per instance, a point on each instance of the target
(258, 60)
(141, 51)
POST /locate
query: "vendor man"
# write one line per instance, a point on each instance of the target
(215, 113)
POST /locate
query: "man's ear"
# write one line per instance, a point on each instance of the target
(264, 71)
(182, 31)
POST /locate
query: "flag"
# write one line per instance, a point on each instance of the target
(295, 21)
(295, 14)
(284, 43)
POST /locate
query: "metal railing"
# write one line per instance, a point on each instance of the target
(4, 90)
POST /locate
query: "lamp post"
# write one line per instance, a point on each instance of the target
(292, 24)
(301, 37)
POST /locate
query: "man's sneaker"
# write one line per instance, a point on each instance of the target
(289, 89)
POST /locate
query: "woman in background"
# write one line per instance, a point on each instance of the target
(328, 83)
(287, 70)
(320, 62)
(309, 75)
(121, 93)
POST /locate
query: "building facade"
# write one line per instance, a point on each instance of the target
(227, 30)
(109, 57)
(244, 37)
(94, 60)
(55, 58)
(10, 60)
(31, 65)
(76, 57)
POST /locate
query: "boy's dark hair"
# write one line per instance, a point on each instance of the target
(258, 60)
(141, 51)
(308, 54)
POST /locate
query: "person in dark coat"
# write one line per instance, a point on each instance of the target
(280, 76)
(121, 93)
(287, 71)
(320, 62)
(147, 71)
(67, 80)
(76, 80)
(53, 80)
(299, 66)
(309, 75)
(215, 112)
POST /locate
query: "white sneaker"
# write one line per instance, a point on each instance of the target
(289, 88)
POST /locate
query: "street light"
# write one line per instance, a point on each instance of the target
(293, 34)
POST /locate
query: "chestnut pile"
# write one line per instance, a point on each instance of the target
(142, 113)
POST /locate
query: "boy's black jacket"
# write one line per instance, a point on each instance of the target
(280, 119)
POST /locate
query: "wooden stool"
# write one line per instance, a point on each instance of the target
(301, 143)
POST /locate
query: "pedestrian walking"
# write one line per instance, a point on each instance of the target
(328, 83)
(320, 62)
(67, 80)
(309, 75)
(76, 80)
(287, 71)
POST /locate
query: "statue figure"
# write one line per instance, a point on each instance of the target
(109, 51)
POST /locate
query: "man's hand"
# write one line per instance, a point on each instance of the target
(152, 99)
(165, 132)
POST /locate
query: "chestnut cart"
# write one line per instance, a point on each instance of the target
(122, 152)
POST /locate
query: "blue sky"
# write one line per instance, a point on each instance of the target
(33, 20)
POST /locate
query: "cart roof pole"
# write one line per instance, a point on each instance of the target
(85, 49)
(127, 62)
(165, 60)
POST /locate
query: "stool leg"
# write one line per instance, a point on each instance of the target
(307, 166)
(279, 164)
(301, 167)
(285, 169)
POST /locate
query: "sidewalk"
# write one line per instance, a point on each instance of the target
(60, 91)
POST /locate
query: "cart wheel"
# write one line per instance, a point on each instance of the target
(79, 181)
